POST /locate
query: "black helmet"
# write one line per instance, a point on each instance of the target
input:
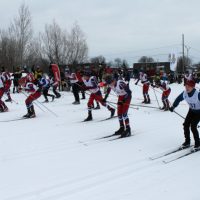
(109, 79)
(87, 73)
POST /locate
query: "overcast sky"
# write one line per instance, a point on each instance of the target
(120, 28)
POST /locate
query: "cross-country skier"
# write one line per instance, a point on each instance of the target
(7, 83)
(124, 98)
(35, 93)
(91, 84)
(44, 83)
(55, 85)
(192, 97)
(144, 80)
(166, 90)
(3, 107)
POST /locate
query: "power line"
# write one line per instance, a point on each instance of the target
(148, 55)
(141, 50)
(195, 49)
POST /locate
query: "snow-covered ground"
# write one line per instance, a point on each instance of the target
(58, 158)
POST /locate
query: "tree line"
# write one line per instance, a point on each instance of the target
(19, 46)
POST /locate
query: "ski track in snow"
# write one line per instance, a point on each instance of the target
(87, 182)
(67, 137)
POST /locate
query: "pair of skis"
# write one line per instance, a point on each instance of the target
(106, 138)
(17, 119)
(186, 152)
(102, 119)
(112, 137)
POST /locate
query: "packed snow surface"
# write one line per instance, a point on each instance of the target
(59, 158)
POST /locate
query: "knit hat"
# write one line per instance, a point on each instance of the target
(190, 83)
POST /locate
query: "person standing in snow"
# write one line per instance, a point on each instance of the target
(192, 97)
(79, 74)
(91, 84)
(144, 80)
(75, 85)
(124, 98)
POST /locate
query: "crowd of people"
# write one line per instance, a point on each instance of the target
(98, 87)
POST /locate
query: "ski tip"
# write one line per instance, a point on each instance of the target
(151, 158)
(168, 161)
(83, 143)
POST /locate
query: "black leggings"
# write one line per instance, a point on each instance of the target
(75, 90)
(191, 121)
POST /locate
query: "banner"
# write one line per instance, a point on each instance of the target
(56, 72)
(173, 61)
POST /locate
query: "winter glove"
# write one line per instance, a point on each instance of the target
(104, 100)
(120, 103)
(171, 109)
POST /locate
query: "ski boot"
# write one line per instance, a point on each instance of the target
(8, 100)
(5, 109)
(196, 146)
(97, 107)
(185, 145)
(126, 133)
(89, 118)
(163, 108)
(120, 131)
(112, 112)
(76, 102)
(30, 113)
(58, 95)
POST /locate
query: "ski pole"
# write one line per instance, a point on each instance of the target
(33, 102)
(47, 108)
(144, 106)
(112, 105)
(182, 117)
(179, 114)
(136, 108)
(12, 100)
(156, 97)
(137, 105)
(154, 89)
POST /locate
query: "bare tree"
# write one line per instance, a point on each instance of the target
(17, 46)
(34, 55)
(60, 47)
(8, 49)
(179, 67)
(77, 46)
(118, 62)
(22, 31)
(99, 60)
(145, 59)
(54, 43)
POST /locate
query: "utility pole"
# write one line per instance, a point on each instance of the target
(188, 48)
(183, 67)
